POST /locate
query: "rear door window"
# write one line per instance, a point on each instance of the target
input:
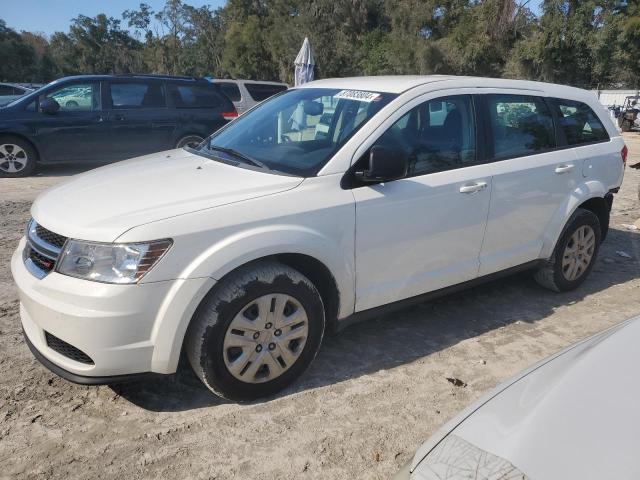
(579, 123)
(520, 125)
(6, 90)
(127, 95)
(262, 91)
(231, 90)
(194, 96)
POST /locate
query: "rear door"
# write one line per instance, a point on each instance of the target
(140, 120)
(79, 130)
(533, 175)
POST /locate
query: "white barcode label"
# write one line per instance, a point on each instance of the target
(358, 95)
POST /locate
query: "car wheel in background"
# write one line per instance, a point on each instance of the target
(17, 157)
(574, 254)
(256, 332)
(189, 141)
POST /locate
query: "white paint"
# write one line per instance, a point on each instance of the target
(572, 416)
(381, 243)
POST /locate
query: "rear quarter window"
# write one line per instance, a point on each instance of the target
(262, 91)
(579, 122)
(195, 96)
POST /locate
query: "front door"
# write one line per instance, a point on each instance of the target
(79, 131)
(423, 232)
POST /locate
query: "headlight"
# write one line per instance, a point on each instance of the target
(110, 262)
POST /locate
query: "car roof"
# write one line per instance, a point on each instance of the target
(235, 80)
(138, 76)
(402, 83)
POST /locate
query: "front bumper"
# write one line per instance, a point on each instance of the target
(82, 379)
(124, 329)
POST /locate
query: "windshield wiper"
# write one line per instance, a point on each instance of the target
(237, 154)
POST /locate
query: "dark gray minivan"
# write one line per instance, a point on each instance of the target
(105, 118)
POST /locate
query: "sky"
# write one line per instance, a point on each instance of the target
(50, 16)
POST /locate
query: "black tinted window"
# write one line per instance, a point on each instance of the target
(436, 135)
(579, 123)
(7, 90)
(262, 91)
(194, 96)
(137, 95)
(521, 125)
(231, 90)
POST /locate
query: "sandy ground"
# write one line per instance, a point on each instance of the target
(372, 396)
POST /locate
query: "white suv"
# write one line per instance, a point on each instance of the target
(243, 252)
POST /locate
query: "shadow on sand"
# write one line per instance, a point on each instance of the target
(406, 335)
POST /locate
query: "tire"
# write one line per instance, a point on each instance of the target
(558, 273)
(71, 104)
(626, 126)
(17, 157)
(189, 141)
(231, 329)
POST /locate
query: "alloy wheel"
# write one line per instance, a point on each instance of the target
(13, 158)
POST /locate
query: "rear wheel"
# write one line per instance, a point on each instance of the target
(17, 157)
(574, 254)
(256, 332)
(189, 141)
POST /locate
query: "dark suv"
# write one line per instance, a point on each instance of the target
(105, 118)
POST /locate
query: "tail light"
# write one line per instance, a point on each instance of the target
(230, 115)
(623, 153)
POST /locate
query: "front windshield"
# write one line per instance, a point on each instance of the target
(297, 131)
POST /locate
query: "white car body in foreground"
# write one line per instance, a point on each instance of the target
(375, 243)
(572, 416)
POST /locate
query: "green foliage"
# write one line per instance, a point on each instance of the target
(587, 43)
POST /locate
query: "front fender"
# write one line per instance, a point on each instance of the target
(243, 247)
(585, 191)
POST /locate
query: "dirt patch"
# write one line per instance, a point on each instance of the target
(374, 394)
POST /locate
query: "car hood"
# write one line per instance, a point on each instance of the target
(575, 416)
(102, 204)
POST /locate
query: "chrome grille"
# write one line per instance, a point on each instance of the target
(50, 237)
(42, 249)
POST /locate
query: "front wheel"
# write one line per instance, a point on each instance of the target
(256, 332)
(574, 254)
(17, 157)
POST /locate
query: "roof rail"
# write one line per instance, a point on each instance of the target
(158, 75)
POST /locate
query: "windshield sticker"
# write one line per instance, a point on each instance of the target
(358, 95)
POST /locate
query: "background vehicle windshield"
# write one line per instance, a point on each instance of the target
(298, 131)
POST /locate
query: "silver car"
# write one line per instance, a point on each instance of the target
(572, 416)
(246, 93)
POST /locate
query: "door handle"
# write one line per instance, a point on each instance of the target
(473, 187)
(560, 169)
(119, 117)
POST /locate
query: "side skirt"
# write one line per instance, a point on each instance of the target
(370, 313)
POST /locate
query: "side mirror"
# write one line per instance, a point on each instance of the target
(385, 165)
(313, 108)
(49, 106)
